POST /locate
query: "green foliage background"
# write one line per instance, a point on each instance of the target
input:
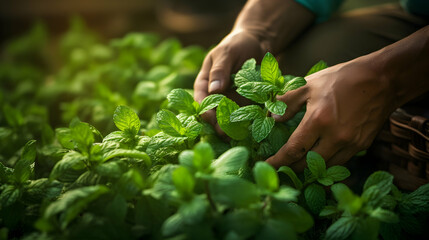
(112, 146)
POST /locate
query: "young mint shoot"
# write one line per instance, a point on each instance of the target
(262, 85)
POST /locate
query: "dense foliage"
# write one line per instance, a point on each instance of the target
(157, 171)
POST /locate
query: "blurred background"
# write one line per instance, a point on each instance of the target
(202, 22)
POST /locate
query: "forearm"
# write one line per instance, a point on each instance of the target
(404, 66)
(274, 22)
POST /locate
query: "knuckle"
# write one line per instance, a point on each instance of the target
(294, 152)
(344, 137)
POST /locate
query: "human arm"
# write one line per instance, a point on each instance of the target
(348, 103)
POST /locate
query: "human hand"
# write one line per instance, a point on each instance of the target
(226, 58)
(347, 105)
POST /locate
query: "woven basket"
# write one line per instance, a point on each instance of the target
(403, 147)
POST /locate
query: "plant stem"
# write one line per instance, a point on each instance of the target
(209, 196)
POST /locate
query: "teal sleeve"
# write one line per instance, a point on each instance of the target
(323, 9)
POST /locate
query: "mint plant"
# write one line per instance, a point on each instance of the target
(157, 171)
(262, 85)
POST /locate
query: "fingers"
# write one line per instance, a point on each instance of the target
(301, 140)
(220, 74)
(294, 100)
(202, 80)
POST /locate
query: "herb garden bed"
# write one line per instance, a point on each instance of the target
(137, 162)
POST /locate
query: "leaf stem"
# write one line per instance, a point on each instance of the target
(209, 196)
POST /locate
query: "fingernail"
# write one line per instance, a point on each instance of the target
(214, 86)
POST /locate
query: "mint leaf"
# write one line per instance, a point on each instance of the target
(341, 229)
(231, 161)
(381, 179)
(9, 195)
(286, 194)
(209, 102)
(270, 71)
(181, 100)
(69, 167)
(293, 84)
(266, 177)
(126, 120)
(315, 197)
(277, 107)
(247, 75)
(203, 156)
(247, 113)
(235, 130)
(82, 136)
(316, 164)
(249, 64)
(23, 167)
(257, 91)
(169, 123)
(233, 191)
(384, 215)
(338, 173)
(347, 200)
(261, 127)
(183, 181)
(326, 181)
(288, 171)
(73, 202)
(317, 67)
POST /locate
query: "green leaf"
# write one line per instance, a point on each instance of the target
(292, 213)
(417, 200)
(231, 161)
(247, 113)
(374, 195)
(82, 136)
(41, 189)
(315, 197)
(23, 167)
(209, 102)
(73, 202)
(193, 129)
(261, 127)
(270, 71)
(13, 117)
(65, 138)
(259, 92)
(203, 156)
(130, 184)
(244, 222)
(288, 171)
(129, 154)
(170, 124)
(326, 181)
(235, 130)
(233, 191)
(341, 229)
(193, 211)
(366, 228)
(316, 164)
(181, 100)
(110, 169)
(347, 200)
(183, 181)
(338, 173)
(277, 107)
(247, 75)
(9, 195)
(379, 178)
(317, 67)
(69, 167)
(293, 84)
(249, 64)
(266, 177)
(328, 211)
(276, 230)
(286, 194)
(384, 215)
(126, 120)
